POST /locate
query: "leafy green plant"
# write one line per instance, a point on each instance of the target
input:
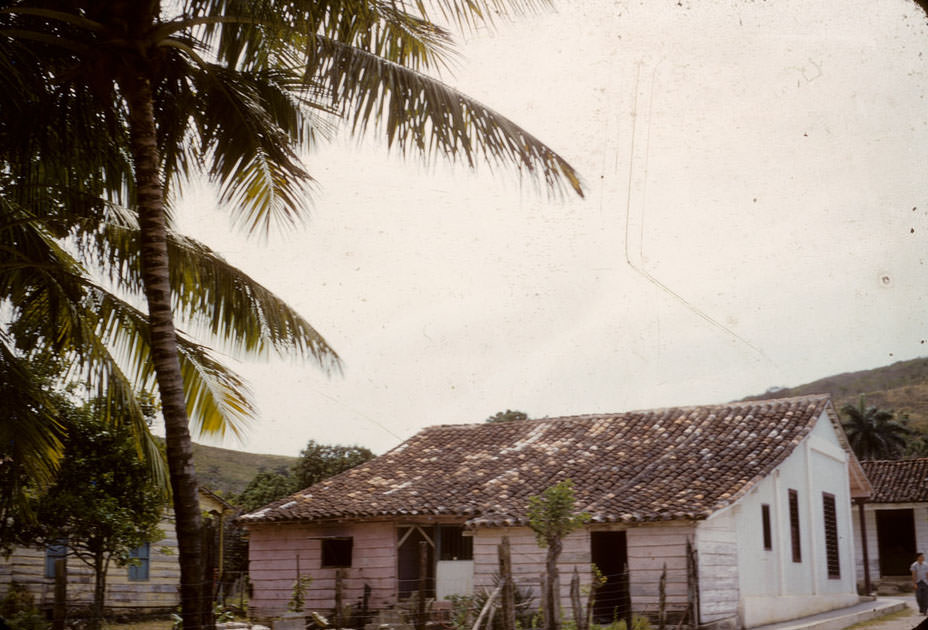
(552, 516)
(298, 596)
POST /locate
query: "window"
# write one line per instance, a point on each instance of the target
(794, 525)
(56, 551)
(336, 552)
(765, 525)
(832, 558)
(141, 559)
(453, 544)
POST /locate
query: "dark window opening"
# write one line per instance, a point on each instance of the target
(454, 545)
(765, 525)
(832, 557)
(336, 552)
(794, 525)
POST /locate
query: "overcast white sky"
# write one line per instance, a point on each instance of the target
(756, 215)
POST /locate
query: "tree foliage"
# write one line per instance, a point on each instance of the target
(552, 516)
(874, 433)
(112, 103)
(265, 488)
(509, 415)
(103, 502)
(321, 461)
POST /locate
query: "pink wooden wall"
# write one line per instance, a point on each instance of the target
(273, 552)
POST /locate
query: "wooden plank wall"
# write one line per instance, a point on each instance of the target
(528, 560)
(719, 592)
(650, 549)
(159, 593)
(273, 552)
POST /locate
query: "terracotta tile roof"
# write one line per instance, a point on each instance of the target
(902, 481)
(662, 464)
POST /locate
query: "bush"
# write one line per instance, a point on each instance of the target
(465, 609)
(19, 611)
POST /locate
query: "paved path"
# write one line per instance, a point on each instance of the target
(867, 611)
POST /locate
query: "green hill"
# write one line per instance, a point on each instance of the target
(901, 387)
(228, 472)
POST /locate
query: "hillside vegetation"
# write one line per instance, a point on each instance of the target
(228, 471)
(901, 387)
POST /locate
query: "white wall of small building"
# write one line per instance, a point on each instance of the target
(772, 587)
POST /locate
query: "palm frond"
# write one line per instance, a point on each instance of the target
(422, 114)
(213, 297)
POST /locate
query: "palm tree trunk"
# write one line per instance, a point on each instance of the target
(155, 277)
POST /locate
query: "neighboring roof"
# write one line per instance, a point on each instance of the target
(219, 503)
(902, 481)
(662, 464)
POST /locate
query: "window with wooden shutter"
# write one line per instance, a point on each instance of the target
(794, 525)
(765, 526)
(832, 557)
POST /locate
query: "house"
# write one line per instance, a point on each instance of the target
(761, 490)
(895, 520)
(149, 585)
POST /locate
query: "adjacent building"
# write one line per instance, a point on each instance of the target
(746, 506)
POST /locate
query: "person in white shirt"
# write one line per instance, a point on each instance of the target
(919, 570)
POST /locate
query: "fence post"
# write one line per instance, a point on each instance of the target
(423, 584)
(339, 597)
(662, 600)
(59, 612)
(692, 584)
(626, 598)
(580, 620)
(508, 596)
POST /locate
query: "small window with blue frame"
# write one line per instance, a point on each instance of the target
(139, 560)
(55, 551)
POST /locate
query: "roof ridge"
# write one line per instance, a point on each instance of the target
(650, 410)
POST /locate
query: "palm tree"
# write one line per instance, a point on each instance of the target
(874, 433)
(120, 98)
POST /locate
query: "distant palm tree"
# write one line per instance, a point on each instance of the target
(874, 433)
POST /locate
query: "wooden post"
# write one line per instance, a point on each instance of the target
(544, 599)
(626, 598)
(60, 610)
(508, 594)
(662, 600)
(339, 597)
(423, 584)
(692, 584)
(579, 620)
(365, 604)
(868, 587)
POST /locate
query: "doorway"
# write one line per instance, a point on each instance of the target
(609, 552)
(408, 560)
(895, 533)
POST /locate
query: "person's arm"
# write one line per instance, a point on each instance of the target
(914, 581)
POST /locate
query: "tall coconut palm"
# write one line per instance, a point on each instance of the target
(874, 433)
(133, 97)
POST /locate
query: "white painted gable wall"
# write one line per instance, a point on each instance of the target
(770, 587)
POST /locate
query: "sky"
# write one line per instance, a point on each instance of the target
(756, 214)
